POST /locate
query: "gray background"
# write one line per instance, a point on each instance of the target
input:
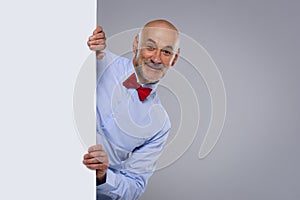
(255, 45)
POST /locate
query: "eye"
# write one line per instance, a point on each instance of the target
(167, 52)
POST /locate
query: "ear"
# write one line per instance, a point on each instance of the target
(176, 57)
(135, 44)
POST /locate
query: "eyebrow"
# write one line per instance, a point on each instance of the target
(166, 47)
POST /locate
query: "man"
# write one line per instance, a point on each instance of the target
(132, 126)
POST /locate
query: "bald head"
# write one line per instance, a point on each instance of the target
(162, 29)
(161, 23)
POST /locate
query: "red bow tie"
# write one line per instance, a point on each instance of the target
(131, 82)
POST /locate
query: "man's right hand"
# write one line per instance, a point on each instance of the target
(97, 159)
(97, 42)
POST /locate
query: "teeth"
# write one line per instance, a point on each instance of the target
(158, 68)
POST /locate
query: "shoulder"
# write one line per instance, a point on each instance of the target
(120, 63)
(113, 65)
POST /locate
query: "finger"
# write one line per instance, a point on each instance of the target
(102, 156)
(97, 166)
(96, 42)
(95, 163)
(98, 29)
(91, 156)
(100, 153)
(97, 160)
(97, 147)
(97, 47)
(97, 36)
(87, 156)
(95, 154)
(100, 35)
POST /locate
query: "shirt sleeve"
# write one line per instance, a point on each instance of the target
(130, 183)
(103, 63)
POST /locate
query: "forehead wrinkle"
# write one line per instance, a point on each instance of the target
(150, 40)
(165, 47)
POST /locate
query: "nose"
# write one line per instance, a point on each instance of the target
(155, 58)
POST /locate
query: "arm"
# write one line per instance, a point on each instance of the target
(97, 42)
(131, 181)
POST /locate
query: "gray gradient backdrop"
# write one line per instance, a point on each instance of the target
(255, 45)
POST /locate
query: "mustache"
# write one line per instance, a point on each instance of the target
(155, 65)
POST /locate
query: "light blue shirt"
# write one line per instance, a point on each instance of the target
(132, 132)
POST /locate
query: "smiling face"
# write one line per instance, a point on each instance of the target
(155, 50)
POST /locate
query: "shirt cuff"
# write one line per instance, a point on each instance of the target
(110, 183)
